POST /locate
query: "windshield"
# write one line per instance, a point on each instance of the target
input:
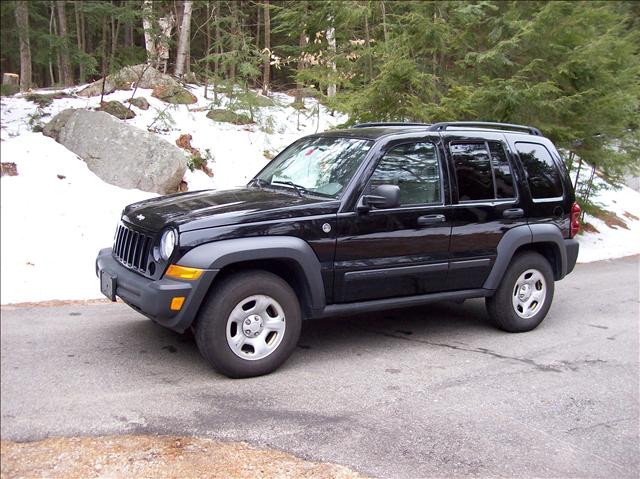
(318, 166)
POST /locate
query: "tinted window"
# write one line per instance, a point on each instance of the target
(501, 171)
(473, 171)
(415, 169)
(542, 171)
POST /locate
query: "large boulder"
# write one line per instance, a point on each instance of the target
(120, 154)
(144, 75)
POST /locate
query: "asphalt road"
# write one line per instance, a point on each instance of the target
(422, 393)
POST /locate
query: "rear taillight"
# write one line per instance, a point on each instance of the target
(574, 228)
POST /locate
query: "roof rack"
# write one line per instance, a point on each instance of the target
(485, 124)
(388, 123)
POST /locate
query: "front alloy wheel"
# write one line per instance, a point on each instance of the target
(249, 323)
(255, 327)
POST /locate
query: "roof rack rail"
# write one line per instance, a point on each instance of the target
(388, 123)
(442, 126)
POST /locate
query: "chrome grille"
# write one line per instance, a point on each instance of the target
(131, 248)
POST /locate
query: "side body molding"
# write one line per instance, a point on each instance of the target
(522, 235)
(218, 254)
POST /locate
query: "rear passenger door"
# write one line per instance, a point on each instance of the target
(486, 204)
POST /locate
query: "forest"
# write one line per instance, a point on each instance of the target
(570, 68)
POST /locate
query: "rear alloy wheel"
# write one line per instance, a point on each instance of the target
(249, 324)
(524, 296)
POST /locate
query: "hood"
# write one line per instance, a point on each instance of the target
(210, 208)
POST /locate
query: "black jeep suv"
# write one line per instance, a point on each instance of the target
(374, 217)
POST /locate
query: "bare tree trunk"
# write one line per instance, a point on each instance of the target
(77, 5)
(384, 24)
(115, 33)
(258, 24)
(105, 58)
(184, 40)
(55, 32)
(331, 40)
(299, 84)
(51, 27)
(368, 40)
(22, 23)
(207, 63)
(149, 33)
(267, 49)
(65, 61)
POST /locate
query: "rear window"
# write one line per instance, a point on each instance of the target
(542, 172)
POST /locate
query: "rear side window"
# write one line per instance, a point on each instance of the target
(501, 171)
(542, 172)
(483, 171)
(473, 171)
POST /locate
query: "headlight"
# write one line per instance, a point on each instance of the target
(168, 244)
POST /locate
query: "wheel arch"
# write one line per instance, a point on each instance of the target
(545, 239)
(288, 257)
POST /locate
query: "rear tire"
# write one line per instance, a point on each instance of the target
(249, 324)
(525, 294)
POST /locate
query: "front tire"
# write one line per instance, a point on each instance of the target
(249, 324)
(525, 294)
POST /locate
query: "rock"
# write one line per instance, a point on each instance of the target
(174, 94)
(8, 169)
(139, 101)
(119, 153)
(229, 116)
(116, 109)
(126, 77)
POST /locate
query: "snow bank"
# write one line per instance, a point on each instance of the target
(56, 214)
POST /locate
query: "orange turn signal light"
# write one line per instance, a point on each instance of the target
(182, 272)
(176, 303)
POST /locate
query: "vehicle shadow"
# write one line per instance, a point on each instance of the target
(320, 340)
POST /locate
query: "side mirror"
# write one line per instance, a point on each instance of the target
(383, 196)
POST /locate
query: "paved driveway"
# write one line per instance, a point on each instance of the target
(427, 392)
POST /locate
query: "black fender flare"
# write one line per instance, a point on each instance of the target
(520, 236)
(218, 254)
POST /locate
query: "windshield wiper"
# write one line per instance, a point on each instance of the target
(299, 188)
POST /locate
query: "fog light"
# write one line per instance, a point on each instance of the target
(176, 303)
(182, 272)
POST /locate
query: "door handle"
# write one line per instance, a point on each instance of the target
(430, 220)
(513, 213)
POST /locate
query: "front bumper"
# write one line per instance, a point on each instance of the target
(153, 298)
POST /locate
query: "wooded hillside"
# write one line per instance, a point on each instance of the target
(569, 68)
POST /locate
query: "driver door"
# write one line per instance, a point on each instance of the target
(399, 251)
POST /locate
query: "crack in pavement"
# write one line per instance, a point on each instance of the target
(488, 352)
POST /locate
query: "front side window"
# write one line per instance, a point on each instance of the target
(321, 166)
(542, 172)
(415, 169)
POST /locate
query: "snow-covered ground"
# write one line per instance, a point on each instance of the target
(56, 214)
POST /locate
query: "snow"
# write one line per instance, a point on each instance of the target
(56, 214)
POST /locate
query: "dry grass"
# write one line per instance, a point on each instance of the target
(155, 457)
